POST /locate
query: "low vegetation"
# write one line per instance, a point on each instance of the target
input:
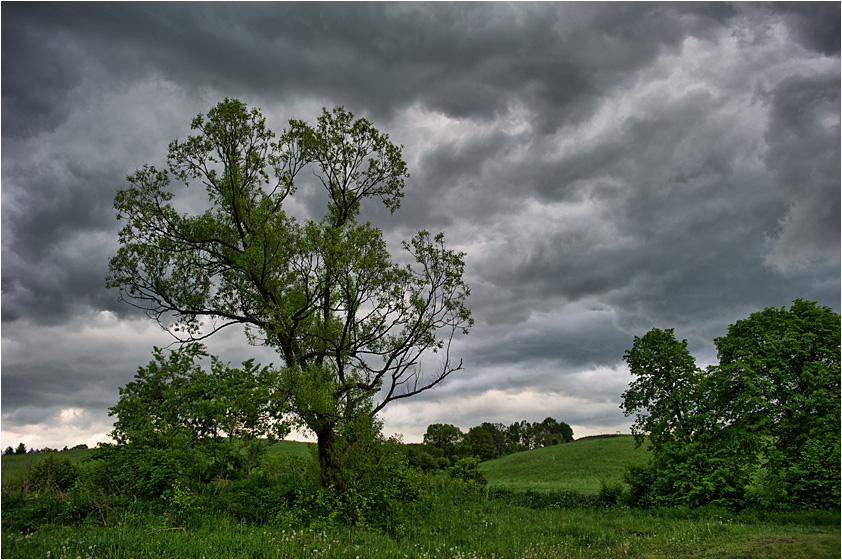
(542, 503)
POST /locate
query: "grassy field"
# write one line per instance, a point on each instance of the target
(13, 465)
(455, 522)
(580, 466)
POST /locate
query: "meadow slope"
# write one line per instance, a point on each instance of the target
(579, 466)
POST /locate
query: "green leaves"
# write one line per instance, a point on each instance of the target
(666, 386)
(354, 160)
(173, 402)
(348, 323)
(769, 411)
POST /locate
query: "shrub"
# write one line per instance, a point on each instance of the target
(641, 480)
(142, 471)
(562, 499)
(53, 473)
(467, 471)
(258, 498)
(610, 495)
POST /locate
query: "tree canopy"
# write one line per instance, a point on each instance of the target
(761, 426)
(350, 325)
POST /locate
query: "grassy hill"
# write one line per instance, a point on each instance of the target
(294, 448)
(579, 466)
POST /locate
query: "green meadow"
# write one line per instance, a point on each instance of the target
(545, 503)
(578, 467)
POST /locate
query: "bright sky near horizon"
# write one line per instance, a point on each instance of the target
(607, 167)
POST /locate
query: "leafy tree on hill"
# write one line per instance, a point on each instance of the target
(444, 437)
(761, 426)
(484, 441)
(518, 437)
(350, 325)
(551, 432)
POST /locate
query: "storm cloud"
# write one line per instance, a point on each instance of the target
(606, 167)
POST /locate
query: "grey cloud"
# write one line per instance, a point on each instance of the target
(813, 24)
(804, 154)
(607, 167)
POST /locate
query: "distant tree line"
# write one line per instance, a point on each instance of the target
(444, 444)
(21, 449)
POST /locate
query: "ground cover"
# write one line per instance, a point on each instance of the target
(458, 525)
(453, 520)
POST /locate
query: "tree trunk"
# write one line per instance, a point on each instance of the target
(330, 467)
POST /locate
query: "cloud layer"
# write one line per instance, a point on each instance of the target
(607, 168)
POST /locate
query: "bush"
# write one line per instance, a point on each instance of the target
(641, 480)
(141, 471)
(55, 491)
(610, 495)
(258, 498)
(542, 500)
(53, 473)
(467, 471)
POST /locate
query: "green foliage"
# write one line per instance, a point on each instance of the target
(641, 481)
(142, 471)
(780, 373)
(180, 498)
(218, 422)
(348, 323)
(53, 473)
(610, 494)
(760, 427)
(665, 388)
(484, 442)
(444, 437)
(467, 471)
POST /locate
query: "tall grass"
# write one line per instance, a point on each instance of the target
(460, 524)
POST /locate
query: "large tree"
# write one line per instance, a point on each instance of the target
(762, 425)
(693, 459)
(350, 325)
(779, 375)
(665, 388)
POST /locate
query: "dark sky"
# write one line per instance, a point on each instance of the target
(607, 168)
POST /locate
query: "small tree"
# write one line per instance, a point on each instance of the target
(174, 402)
(20, 449)
(351, 327)
(9, 451)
